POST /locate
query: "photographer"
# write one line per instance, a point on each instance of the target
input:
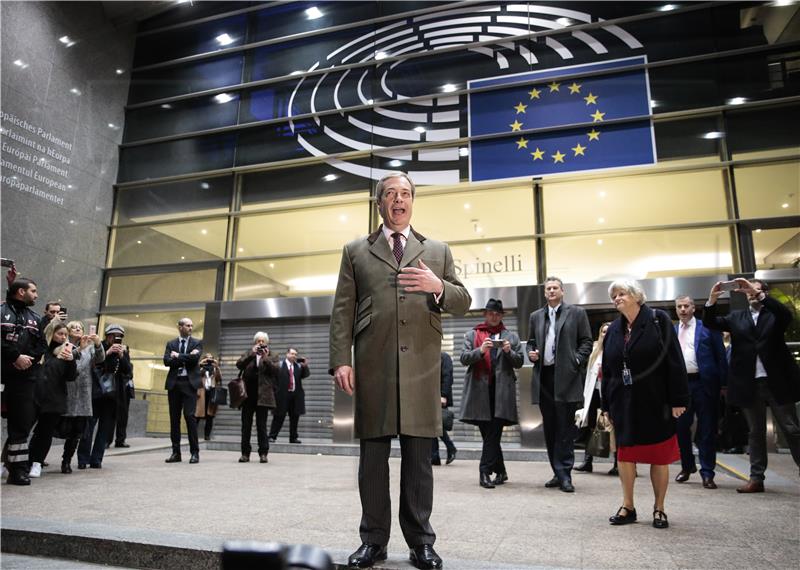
(51, 392)
(260, 378)
(117, 365)
(23, 345)
(212, 378)
(53, 310)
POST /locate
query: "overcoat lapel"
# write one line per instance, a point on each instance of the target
(379, 247)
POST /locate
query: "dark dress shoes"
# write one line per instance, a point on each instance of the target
(244, 459)
(552, 483)
(366, 556)
(272, 439)
(18, 476)
(451, 455)
(96, 465)
(567, 486)
(660, 519)
(121, 444)
(486, 481)
(613, 471)
(500, 479)
(585, 467)
(195, 458)
(174, 458)
(709, 483)
(683, 476)
(424, 557)
(66, 468)
(81, 466)
(262, 458)
(436, 460)
(295, 440)
(624, 516)
(752, 487)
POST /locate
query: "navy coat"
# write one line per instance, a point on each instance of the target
(712, 364)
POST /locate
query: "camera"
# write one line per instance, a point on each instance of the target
(261, 349)
(118, 340)
(497, 343)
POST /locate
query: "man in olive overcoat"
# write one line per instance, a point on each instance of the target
(393, 286)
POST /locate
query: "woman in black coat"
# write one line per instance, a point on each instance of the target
(51, 392)
(644, 389)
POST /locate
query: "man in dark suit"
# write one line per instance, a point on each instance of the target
(560, 345)
(762, 370)
(290, 396)
(385, 345)
(183, 380)
(707, 367)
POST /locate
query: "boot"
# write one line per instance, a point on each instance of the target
(65, 467)
(18, 474)
(614, 470)
(586, 466)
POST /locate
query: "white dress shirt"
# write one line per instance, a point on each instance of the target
(761, 372)
(689, 355)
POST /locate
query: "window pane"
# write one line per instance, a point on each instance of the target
(290, 18)
(690, 138)
(657, 199)
(270, 187)
(496, 264)
(168, 243)
(159, 288)
(181, 117)
(776, 249)
(641, 255)
(487, 214)
(184, 11)
(311, 230)
(146, 334)
(152, 84)
(178, 199)
(301, 276)
(769, 190)
(763, 129)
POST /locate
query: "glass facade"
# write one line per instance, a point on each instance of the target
(253, 141)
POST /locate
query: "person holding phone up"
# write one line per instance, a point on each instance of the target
(491, 353)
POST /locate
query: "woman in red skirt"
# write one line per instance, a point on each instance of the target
(644, 389)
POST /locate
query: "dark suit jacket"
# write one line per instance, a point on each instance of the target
(188, 360)
(766, 341)
(712, 365)
(447, 379)
(573, 347)
(282, 393)
(642, 412)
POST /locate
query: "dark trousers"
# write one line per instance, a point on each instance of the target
(209, 425)
(591, 418)
(558, 423)
(21, 414)
(183, 398)
(104, 411)
(77, 427)
(416, 490)
(448, 443)
(279, 415)
(705, 408)
(43, 436)
(249, 408)
(785, 416)
(123, 408)
(491, 432)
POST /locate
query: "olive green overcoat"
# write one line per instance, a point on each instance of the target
(397, 335)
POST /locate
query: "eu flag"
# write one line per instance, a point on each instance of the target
(539, 100)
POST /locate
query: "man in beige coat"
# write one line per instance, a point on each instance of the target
(393, 286)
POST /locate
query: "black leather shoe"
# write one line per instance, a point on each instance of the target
(552, 483)
(436, 460)
(613, 471)
(486, 481)
(500, 479)
(195, 458)
(660, 519)
(566, 486)
(96, 465)
(81, 466)
(272, 439)
(624, 516)
(121, 444)
(18, 476)
(366, 556)
(708, 483)
(424, 557)
(295, 440)
(451, 456)
(683, 476)
(244, 459)
(174, 458)
(585, 467)
(262, 458)
(66, 468)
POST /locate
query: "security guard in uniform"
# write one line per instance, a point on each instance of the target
(22, 348)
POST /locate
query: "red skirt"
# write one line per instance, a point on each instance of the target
(662, 453)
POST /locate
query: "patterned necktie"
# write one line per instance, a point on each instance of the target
(550, 339)
(397, 249)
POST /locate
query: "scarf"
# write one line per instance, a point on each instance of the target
(482, 332)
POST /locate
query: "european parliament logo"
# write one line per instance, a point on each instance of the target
(537, 114)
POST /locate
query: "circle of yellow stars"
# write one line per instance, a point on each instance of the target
(578, 149)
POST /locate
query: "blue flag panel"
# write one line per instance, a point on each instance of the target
(537, 101)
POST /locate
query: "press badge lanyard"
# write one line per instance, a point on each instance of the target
(627, 378)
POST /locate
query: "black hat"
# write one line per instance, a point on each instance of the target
(494, 305)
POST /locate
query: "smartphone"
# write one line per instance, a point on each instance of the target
(117, 340)
(92, 329)
(728, 286)
(497, 343)
(6, 262)
(531, 345)
(301, 360)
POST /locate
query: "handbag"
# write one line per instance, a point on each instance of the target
(599, 444)
(447, 419)
(238, 391)
(108, 384)
(219, 396)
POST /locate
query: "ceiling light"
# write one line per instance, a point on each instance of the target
(75, 91)
(139, 241)
(313, 13)
(183, 257)
(67, 41)
(564, 21)
(166, 106)
(21, 64)
(599, 242)
(759, 230)
(272, 266)
(785, 205)
(488, 248)
(653, 103)
(343, 218)
(223, 98)
(467, 206)
(370, 101)
(63, 261)
(601, 220)
(602, 193)
(780, 3)
(224, 39)
(204, 231)
(448, 87)
(395, 163)
(329, 177)
(737, 100)
(120, 71)
(667, 8)
(296, 72)
(478, 230)
(713, 135)
(241, 250)
(72, 221)
(112, 126)
(381, 55)
(463, 151)
(205, 185)
(419, 129)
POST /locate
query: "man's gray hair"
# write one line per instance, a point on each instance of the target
(394, 174)
(556, 279)
(259, 335)
(679, 297)
(631, 287)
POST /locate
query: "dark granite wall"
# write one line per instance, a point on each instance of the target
(64, 103)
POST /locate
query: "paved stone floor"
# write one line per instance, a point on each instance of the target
(314, 499)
